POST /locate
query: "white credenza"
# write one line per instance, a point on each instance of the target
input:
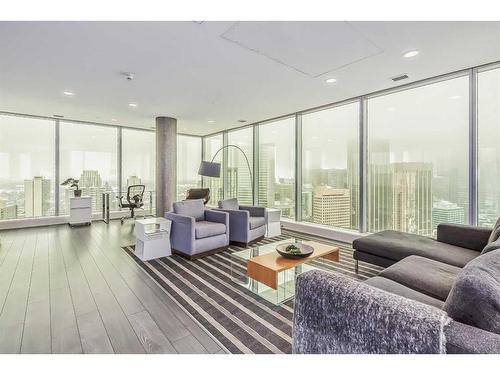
(80, 211)
(152, 238)
(273, 222)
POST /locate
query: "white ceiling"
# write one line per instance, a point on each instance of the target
(222, 71)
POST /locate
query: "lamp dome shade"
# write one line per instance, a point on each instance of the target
(209, 169)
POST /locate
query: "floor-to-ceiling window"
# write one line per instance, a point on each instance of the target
(276, 166)
(188, 162)
(239, 178)
(88, 153)
(330, 166)
(488, 132)
(210, 146)
(27, 167)
(138, 162)
(418, 157)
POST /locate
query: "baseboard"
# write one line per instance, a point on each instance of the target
(335, 234)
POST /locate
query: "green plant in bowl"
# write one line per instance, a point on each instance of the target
(292, 249)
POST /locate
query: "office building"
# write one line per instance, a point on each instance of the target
(412, 197)
(444, 212)
(133, 180)
(36, 197)
(267, 177)
(8, 211)
(331, 207)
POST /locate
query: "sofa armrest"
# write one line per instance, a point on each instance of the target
(254, 210)
(239, 224)
(468, 236)
(464, 339)
(336, 314)
(217, 216)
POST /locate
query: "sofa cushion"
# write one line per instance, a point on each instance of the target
(193, 208)
(474, 299)
(403, 291)
(205, 229)
(256, 222)
(398, 245)
(495, 232)
(495, 245)
(423, 275)
(229, 204)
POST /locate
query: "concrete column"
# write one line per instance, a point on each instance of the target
(166, 164)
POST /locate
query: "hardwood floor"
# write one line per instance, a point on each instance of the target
(65, 290)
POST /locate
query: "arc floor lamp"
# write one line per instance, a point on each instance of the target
(212, 169)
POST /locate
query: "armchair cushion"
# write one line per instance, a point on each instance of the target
(256, 222)
(205, 229)
(474, 299)
(229, 204)
(193, 208)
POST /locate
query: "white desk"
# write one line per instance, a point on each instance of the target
(273, 222)
(80, 211)
(152, 238)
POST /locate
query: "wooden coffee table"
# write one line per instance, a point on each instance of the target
(272, 276)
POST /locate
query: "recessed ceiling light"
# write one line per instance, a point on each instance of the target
(68, 93)
(210, 121)
(113, 119)
(330, 80)
(412, 53)
(455, 97)
(133, 105)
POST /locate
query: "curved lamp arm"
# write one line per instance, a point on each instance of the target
(246, 159)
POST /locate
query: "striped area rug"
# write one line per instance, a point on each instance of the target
(241, 321)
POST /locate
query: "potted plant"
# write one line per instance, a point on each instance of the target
(72, 183)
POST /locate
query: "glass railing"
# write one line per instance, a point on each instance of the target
(110, 202)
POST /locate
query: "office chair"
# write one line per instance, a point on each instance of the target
(199, 193)
(135, 195)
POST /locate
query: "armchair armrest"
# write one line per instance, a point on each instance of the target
(239, 223)
(254, 210)
(182, 232)
(336, 314)
(468, 236)
(181, 219)
(217, 217)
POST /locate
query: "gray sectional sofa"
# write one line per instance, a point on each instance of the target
(436, 296)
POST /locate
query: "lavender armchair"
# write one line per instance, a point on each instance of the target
(246, 223)
(196, 231)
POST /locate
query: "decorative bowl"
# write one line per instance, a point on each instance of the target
(305, 250)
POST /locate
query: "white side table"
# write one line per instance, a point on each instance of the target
(273, 222)
(152, 238)
(80, 211)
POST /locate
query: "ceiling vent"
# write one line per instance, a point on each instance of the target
(400, 78)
